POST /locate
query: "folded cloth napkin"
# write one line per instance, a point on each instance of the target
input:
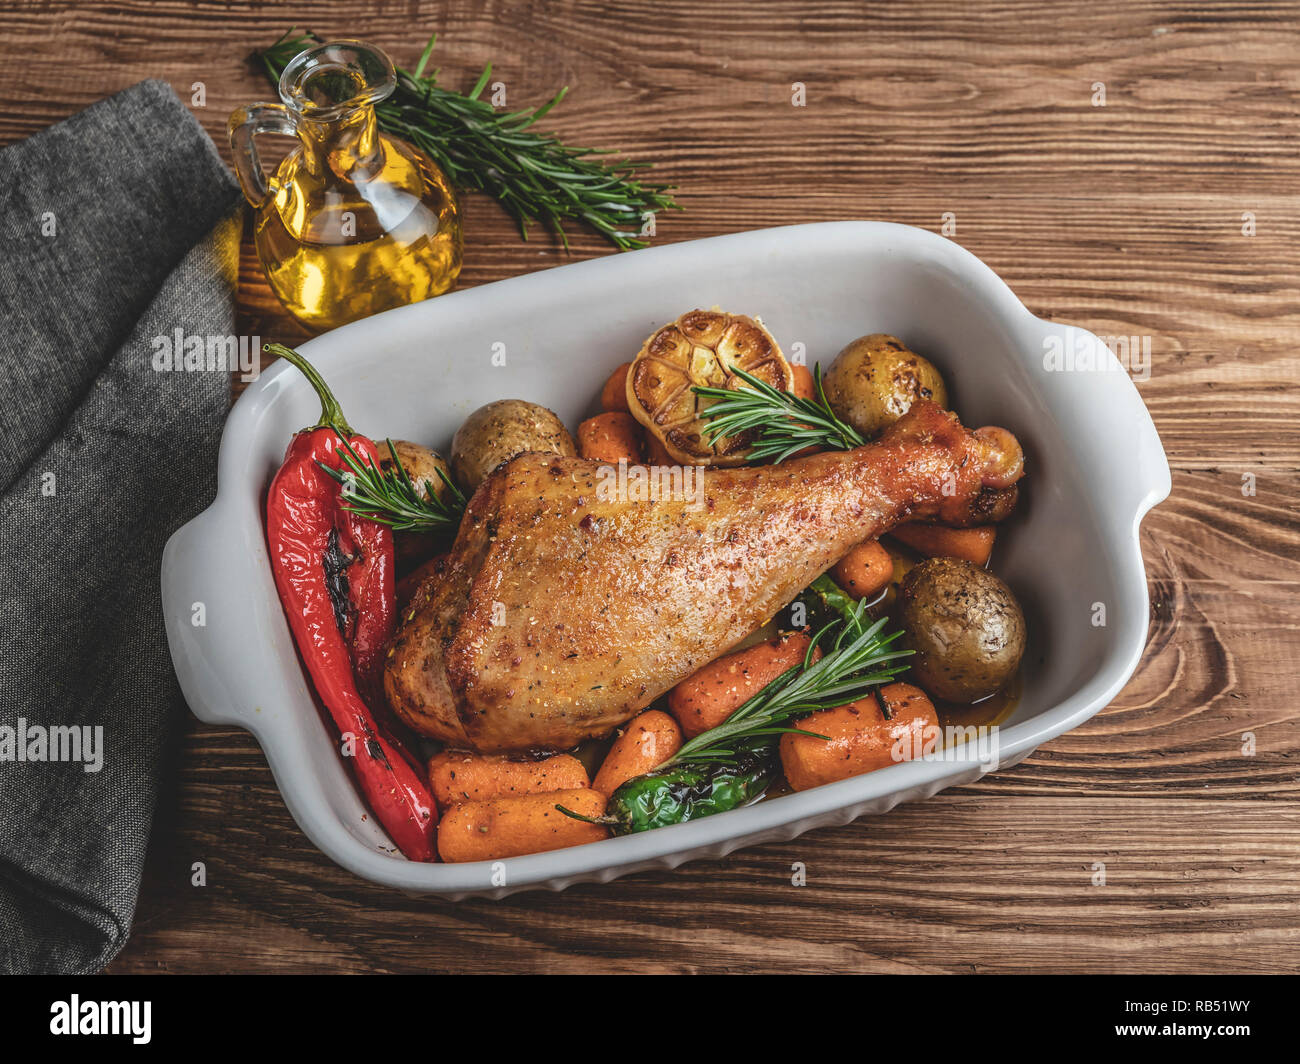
(118, 227)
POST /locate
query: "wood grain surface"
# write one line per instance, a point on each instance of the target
(1128, 219)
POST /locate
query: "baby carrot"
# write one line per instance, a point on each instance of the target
(938, 541)
(865, 571)
(456, 776)
(804, 387)
(609, 437)
(613, 397)
(512, 827)
(708, 697)
(858, 737)
(649, 739)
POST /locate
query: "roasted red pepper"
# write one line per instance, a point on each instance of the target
(334, 572)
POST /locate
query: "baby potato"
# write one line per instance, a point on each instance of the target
(421, 464)
(876, 379)
(498, 432)
(965, 626)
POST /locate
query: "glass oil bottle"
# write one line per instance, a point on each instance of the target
(353, 221)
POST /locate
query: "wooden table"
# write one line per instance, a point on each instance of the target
(1168, 212)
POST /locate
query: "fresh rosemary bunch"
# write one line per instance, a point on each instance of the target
(856, 663)
(533, 175)
(785, 423)
(391, 498)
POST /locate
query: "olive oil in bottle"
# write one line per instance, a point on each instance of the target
(354, 221)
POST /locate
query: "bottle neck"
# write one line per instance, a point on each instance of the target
(348, 145)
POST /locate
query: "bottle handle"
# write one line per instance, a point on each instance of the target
(245, 124)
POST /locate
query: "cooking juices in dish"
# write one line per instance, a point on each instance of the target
(354, 221)
(702, 597)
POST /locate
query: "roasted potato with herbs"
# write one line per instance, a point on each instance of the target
(422, 465)
(498, 432)
(965, 626)
(875, 380)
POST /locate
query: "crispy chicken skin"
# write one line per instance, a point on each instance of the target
(566, 609)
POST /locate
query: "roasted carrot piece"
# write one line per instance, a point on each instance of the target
(804, 386)
(609, 437)
(865, 571)
(648, 740)
(708, 697)
(458, 777)
(938, 541)
(613, 397)
(512, 827)
(858, 737)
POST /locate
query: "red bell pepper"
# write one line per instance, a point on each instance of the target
(334, 572)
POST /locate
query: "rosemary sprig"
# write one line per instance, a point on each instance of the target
(857, 661)
(835, 600)
(785, 423)
(533, 175)
(391, 498)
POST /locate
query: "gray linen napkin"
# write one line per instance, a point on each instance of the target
(117, 227)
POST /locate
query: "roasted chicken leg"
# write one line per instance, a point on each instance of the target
(569, 603)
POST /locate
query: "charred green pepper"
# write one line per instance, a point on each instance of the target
(840, 604)
(682, 792)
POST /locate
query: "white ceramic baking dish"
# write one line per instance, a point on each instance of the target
(1095, 467)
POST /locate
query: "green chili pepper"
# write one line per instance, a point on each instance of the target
(684, 792)
(837, 601)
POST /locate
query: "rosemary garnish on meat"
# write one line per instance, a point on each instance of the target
(391, 497)
(532, 175)
(784, 423)
(857, 661)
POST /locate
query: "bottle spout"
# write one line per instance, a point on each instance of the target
(327, 81)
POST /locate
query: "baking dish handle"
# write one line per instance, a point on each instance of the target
(218, 632)
(1150, 482)
(1120, 439)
